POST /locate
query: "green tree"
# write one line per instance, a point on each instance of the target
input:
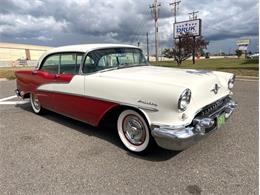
(184, 48)
(202, 53)
(238, 53)
(168, 53)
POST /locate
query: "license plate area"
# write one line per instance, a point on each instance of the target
(221, 120)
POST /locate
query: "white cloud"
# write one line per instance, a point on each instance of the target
(49, 21)
(28, 26)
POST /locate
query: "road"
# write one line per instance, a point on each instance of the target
(52, 154)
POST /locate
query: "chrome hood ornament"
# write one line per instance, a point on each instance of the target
(215, 89)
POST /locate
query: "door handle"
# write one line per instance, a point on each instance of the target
(57, 76)
(35, 72)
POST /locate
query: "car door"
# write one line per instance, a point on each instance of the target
(70, 86)
(46, 74)
(95, 106)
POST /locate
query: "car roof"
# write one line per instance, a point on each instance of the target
(86, 47)
(82, 48)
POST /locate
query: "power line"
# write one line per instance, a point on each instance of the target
(155, 13)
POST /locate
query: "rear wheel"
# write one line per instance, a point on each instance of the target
(35, 103)
(133, 131)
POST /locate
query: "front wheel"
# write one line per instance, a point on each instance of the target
(134, 131)
(35, 103)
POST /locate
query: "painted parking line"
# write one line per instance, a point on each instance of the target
(4, 101)
(8, 98)
(14, 102)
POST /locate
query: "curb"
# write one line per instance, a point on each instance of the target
(247, 78)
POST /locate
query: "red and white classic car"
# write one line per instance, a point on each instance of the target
(174, 107)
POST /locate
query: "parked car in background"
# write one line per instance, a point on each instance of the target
(174, 107)
(254, 56)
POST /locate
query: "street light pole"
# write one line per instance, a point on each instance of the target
(147, 45)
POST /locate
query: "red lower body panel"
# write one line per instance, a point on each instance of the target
(82, 108)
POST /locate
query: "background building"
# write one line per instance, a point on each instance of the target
(13, 51)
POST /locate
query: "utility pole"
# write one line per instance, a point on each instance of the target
(193, 16)
(155, 12)
(175, 5)
(147, 47)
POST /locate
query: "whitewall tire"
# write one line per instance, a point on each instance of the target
(133, 131)
(35, 103)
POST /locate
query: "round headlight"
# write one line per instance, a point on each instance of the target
(231, 83)
(184, 100)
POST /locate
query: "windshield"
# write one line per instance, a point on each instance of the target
(113, 58)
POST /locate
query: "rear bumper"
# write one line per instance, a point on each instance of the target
(180, 138)
(17, 92)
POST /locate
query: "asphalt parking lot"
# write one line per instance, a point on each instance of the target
(52, 154)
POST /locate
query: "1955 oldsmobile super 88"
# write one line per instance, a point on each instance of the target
(174, 107)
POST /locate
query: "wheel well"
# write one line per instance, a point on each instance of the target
(111, 116)
(27, 95)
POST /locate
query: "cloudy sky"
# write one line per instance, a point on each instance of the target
(63, 22)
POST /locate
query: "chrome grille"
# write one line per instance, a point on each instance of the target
(212, 107)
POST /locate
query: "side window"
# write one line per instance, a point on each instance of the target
(51, 64)
(89, 65)
(70, 63)
(79, 59)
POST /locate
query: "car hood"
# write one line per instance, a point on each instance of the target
(201, 82)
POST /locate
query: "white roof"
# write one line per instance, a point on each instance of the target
(86, 47)
(82, 48)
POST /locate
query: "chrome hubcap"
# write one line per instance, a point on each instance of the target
(134, 130)
(36, 102)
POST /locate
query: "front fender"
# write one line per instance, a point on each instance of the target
(156, 101)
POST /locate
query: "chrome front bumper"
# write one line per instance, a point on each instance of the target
(180, 138)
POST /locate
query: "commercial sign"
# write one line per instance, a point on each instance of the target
(192, 27)
(242, 48)
(243, 42)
